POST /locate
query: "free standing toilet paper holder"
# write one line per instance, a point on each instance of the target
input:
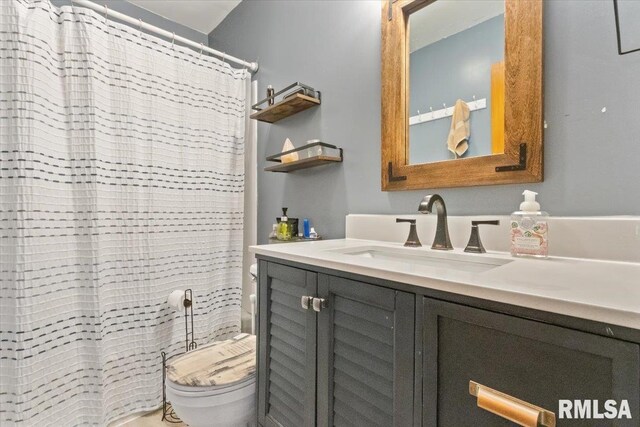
(188, 314)
(190, 344)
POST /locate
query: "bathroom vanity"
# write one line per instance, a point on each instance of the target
(361, 332)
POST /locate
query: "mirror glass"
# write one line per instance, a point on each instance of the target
(456, 80)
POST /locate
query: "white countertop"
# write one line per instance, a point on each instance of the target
(604, 291)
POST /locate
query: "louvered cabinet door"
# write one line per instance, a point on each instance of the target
(287, 347)
(365, 355)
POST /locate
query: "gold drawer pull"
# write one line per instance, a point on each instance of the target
(510, 408)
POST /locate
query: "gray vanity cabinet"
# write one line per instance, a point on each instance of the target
(348, 361)
(532, 361)
(365, 354)
(383, 354)
(286, 348)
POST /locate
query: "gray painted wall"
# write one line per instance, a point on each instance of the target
(456, 67)
(592, 158)
(148, 17)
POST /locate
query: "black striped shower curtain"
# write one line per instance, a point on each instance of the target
(121, 179)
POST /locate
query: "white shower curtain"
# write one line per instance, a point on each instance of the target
(121, 179)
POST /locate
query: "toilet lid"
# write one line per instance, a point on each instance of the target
(221, 363)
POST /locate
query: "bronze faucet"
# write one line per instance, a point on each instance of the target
(441, 240)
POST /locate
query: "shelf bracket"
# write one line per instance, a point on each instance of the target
(392, 178)
(522, 165)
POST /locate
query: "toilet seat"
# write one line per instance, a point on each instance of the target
(220, 367)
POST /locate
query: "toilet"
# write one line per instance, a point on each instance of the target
(214, 386)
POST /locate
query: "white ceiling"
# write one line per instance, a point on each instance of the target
(444, 18)
(201, 15)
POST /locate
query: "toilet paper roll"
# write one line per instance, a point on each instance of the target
(176, 300)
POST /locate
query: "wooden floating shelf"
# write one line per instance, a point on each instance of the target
(296, 239)
(324, 154)
(285, 108)
(309, 162)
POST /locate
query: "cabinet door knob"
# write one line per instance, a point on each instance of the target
(513, 409)
(304, 301)
(319, 304)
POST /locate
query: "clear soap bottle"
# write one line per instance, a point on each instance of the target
(284, 228)
(530, 229)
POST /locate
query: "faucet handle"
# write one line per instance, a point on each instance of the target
(410, 221)
(412, 241)
(475, 244)
(491, 222)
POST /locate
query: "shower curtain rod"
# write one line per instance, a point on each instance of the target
(252, 66)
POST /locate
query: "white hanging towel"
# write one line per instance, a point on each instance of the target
(458, 140)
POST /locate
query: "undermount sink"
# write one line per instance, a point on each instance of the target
(427, 258)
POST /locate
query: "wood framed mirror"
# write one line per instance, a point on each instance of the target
(504, 118)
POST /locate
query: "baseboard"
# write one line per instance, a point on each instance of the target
(122, 422)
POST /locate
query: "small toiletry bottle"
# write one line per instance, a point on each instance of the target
(274, 232)
(313, 234)
(530, 229)
(270, 93)
(284, 228)
(306, 228)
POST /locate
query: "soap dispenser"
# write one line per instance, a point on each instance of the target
(284, 228)
(530, 229)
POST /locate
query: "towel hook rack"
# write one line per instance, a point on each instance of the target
(477, 104)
